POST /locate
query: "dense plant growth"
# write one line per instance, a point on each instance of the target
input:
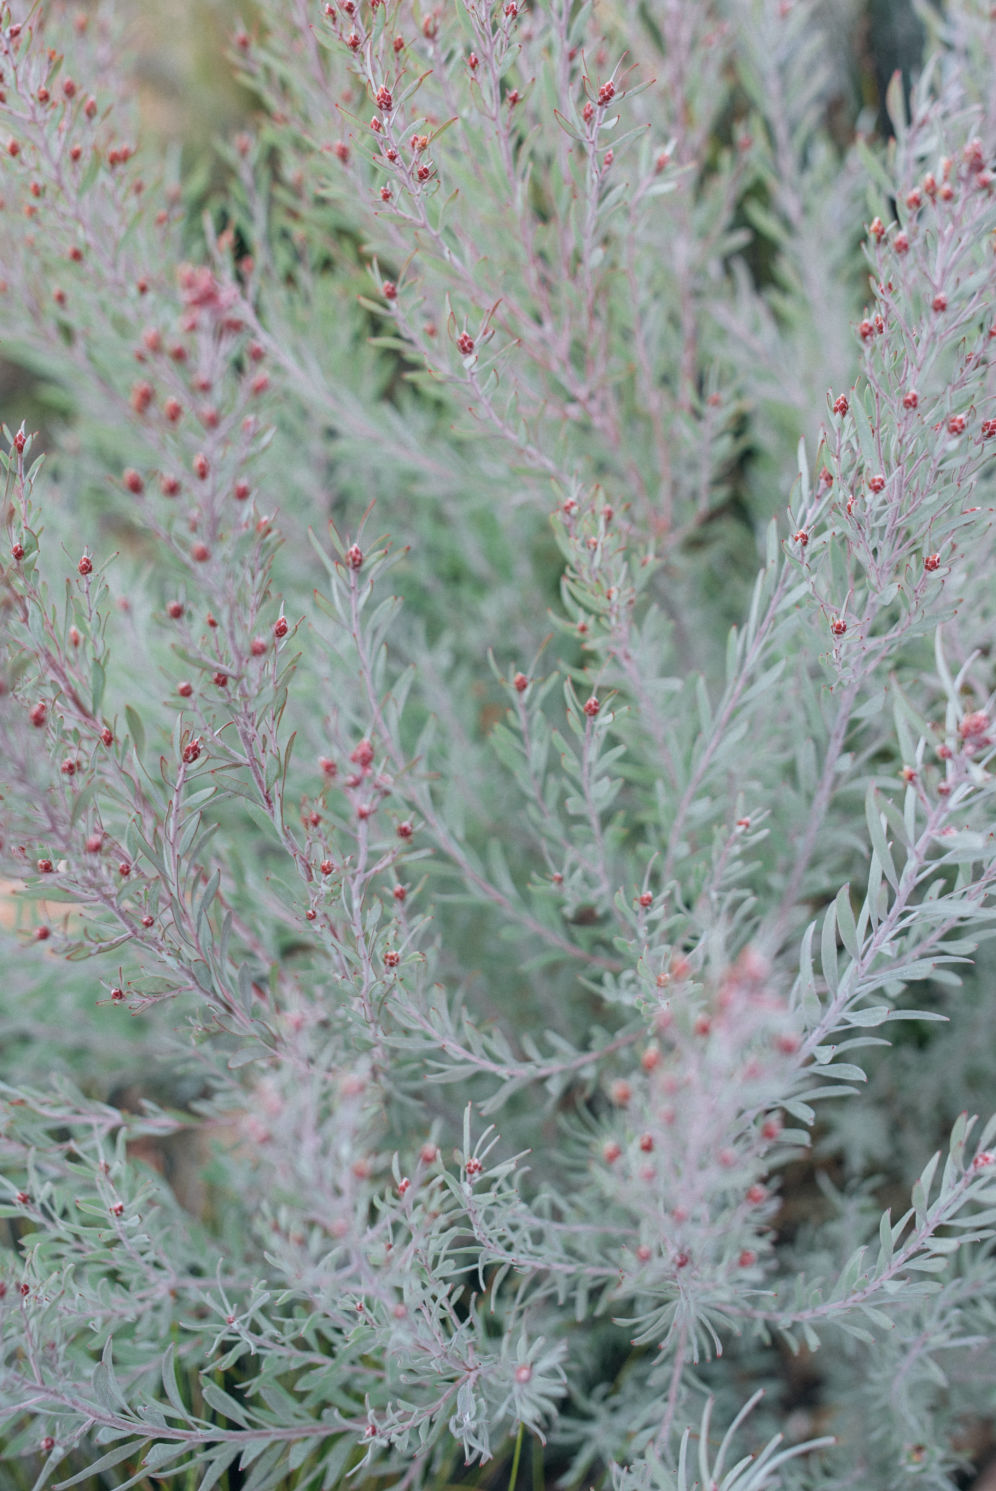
(497, 828)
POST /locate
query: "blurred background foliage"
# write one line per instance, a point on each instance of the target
(189, 103)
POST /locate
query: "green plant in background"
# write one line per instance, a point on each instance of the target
(463, 840)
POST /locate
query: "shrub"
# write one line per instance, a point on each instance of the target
(466, 843)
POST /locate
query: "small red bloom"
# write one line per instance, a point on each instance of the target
(354, 556)
(133, 481)
(141, 397)
(840, 405)
(974, 725)
(85, 565)
(592, 706)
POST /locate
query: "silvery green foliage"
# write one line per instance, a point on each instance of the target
(476, 821)
(751, 1472)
